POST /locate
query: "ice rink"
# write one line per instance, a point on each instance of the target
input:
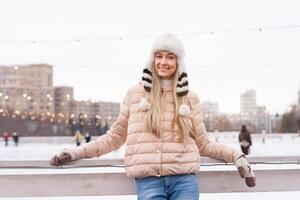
(44, 147)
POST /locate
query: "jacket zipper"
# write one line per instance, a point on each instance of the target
(161, 130)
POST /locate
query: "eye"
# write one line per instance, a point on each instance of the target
(158, 56)
(171, 57)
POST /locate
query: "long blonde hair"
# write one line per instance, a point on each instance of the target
(153, 116)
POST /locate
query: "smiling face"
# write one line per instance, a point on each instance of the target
(165, 64)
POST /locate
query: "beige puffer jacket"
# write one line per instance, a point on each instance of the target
(146, 155)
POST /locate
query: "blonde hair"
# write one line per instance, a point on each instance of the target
(153, 116)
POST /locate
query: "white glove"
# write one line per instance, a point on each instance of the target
(245, 171)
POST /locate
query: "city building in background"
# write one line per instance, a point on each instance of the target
(106, 111)
(27, 88)
(210, 107)
(248, 102)
(66, 105)
(210, 112)
(63, 98)
(109, 111)
(255, 117)
(263, 120)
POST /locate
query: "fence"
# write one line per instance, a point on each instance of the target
(92, 177)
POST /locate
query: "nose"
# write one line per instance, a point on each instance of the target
(163, 61)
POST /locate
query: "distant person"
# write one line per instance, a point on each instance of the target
(78, 138)
(161, 123)
(104, 129)
(263, 136)
(6, 138)
(87, 137)
(245, 140)
(15, 136)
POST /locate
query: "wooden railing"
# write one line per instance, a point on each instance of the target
(94, 177)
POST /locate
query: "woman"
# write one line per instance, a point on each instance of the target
(245, 140)
(161, 122)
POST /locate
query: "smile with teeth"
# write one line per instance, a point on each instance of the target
(164, 68)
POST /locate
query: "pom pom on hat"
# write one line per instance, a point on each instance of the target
(144, 104)
(184, 110)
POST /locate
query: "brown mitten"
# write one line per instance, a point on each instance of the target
(245, 171)
(63, 157)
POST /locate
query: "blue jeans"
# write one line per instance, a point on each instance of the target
(174, 187)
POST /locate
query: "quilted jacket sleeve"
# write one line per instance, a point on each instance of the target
(206, 146)
(112, 140)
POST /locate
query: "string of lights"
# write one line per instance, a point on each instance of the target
(59, 118)
(209, 32)
(191, 66)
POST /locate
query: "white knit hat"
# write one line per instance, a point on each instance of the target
(167, 42)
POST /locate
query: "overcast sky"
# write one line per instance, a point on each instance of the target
(220, 66)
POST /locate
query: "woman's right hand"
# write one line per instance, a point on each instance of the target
(60, 159)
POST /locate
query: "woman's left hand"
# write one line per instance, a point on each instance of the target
(245, 171)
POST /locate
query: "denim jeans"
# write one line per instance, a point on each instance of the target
(174, 187)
